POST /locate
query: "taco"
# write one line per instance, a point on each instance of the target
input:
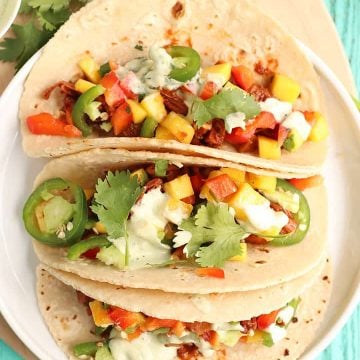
(162, 221)
(88, 318)
(162, 75)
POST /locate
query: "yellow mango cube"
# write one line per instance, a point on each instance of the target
(243, 256)
(99, 314)
(179, 127)
(154, 106)
(90, 68)
(320, 130)
(236, 175)
(83, 85)
(206, 194)
(284, 88)
(175, 204)
(257, 338)
(100, 228)
(215, 173)
(138, 113)
(244, 196)
(269, 148)
(164, 134)
(261, 182)
(220, 74)
(179, 188)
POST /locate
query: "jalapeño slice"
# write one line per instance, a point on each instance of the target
(56, 213)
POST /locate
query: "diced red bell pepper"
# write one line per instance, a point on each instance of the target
(264, 120)
(221, 186)
(209, 90)
(91, 254)
(264, 321)
(46, 124)
(124, 318)
(114, 94)
(125, 86)
(243, 76)
(303, 184)
(189, 200)
(197, 182)
(121, 118)
(211, 272)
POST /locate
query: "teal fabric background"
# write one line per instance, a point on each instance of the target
(346, 14)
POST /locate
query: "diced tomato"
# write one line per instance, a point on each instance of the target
(264, 321)
(264, 120)
(152, 324)
(91, 254)
(303, 184)
(197, 182)
(221, 186)
(125, 86)
(243, 76)
(114, 94)
(211, 272)
(124, 318)
(46, 124)
(121, 118)
(208, 90)
(189, 200)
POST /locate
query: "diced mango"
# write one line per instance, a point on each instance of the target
(261, 182)
(236, 175)
(138, 113)
(90, 68)
(243, 256)
(164, 134)
(100, 228)
(83, 85)
(154, 106)
(180, 187)
(100, 314)
(284, 88)
(269, 148)
(175, 204)
(244, 196)
(215, 173)
(179, 127)
(219, 74)
(320, 130)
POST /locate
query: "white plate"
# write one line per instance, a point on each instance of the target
(17, 260)
(8, 11)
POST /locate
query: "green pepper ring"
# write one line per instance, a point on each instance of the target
(79, 218)
(191, 59)
(302, 217)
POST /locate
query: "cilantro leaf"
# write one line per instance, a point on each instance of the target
(28, 39)
(45, 5)
(214, 224)
(226, 102)
(50, 20)
(114, 198)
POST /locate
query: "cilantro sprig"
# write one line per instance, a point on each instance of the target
(215, 235)
(113, 200)
(226, 102)
(44, 19)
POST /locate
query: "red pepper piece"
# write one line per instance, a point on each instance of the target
(208, 91)
(91, 254)
(243, 76)
(124, 318)
(46, 124)
(189, 200)
(303, 184)
(121, 118)
(221, 186)
(264, 321)
(197, 182)
(211, 272)
(114, 94)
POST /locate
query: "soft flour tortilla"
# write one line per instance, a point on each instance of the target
(219, 30)
(69, 323)
(265, 265)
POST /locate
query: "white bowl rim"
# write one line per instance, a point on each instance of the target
(15, 8)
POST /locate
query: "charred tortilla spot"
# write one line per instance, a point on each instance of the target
(178, 10)
(48, 308)
(286, 352)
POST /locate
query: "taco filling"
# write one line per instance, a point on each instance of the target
(161, 214)
(135, 335)
(166, 94)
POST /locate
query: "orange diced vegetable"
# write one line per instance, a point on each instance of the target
(221, 186)
(121, 118)
(211, 272)
(303, 184)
